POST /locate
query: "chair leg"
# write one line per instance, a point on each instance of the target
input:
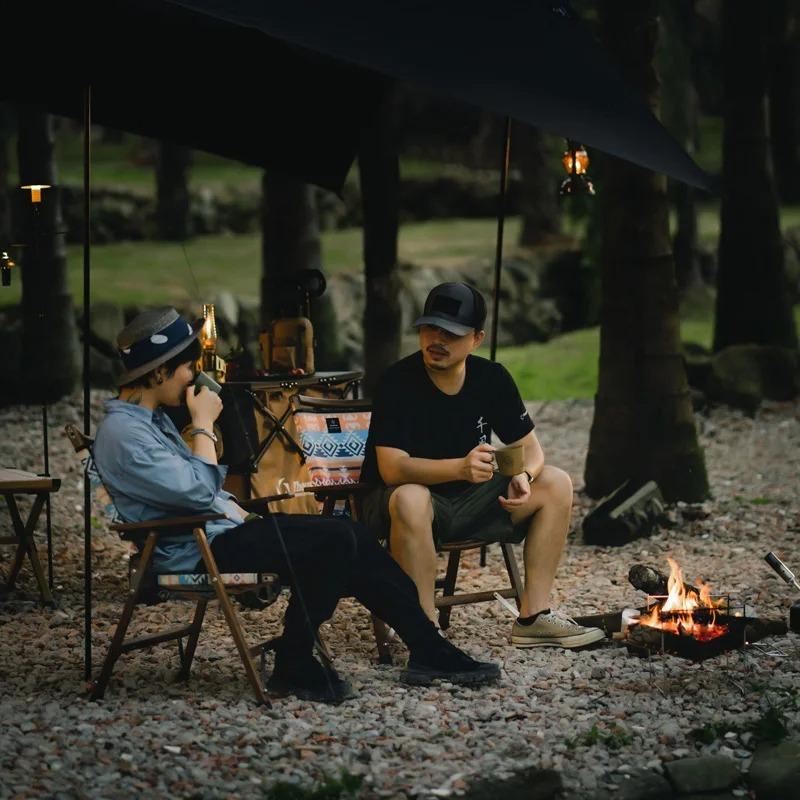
(115, 649)
(449, 587)
(191, 642)
(513, 571)
(382, 640)
(232, 618)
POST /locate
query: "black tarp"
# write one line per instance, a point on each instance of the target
(288, 85)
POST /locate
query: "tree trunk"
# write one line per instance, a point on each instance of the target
(643, 424)
(752, 290)
(173, 218)
(50, 366)
(679, 114)
(380, 187)
(291, 242)
(784, 98)
(5, 166)
(541, 216)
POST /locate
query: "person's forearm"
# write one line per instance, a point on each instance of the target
(203, 445)
(425, 471)
(534, 460)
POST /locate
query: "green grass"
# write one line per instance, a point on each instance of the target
(150, 272)
(566, 366)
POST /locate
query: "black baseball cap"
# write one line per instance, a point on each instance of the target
(455, 307)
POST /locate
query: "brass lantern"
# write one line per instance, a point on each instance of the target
(210, 362)
(576, 164)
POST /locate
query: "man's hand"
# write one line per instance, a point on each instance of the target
(477, 465)
(204, 407)
(519, 492)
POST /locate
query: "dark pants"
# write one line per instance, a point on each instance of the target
(323, 559)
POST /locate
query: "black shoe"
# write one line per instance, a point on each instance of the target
(307, 679)
(445, 662)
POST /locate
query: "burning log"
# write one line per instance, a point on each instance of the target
(653, 582)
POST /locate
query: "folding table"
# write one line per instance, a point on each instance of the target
(17, 482)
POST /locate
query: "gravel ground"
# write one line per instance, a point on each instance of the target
(210, 740)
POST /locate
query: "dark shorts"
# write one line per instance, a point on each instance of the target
(475, 513)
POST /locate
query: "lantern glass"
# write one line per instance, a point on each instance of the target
(208, 333)
(575, 161)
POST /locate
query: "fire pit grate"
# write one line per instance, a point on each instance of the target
(643, 640)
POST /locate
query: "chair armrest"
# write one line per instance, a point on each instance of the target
(262, 503)
(163, 525)
(339, 489)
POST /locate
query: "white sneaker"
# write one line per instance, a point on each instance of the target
(554, 630)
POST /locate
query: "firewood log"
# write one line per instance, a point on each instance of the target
(650, 581)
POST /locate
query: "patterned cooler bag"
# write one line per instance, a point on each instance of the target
(334, 443)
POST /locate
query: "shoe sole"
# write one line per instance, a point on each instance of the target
(427, 677)
(581, 640)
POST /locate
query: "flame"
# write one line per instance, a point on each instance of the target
(208, 333)
(683, 612)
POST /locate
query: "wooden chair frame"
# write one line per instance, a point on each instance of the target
(147, 534)
(353, 494)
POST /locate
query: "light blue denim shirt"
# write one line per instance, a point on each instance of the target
(150, 473)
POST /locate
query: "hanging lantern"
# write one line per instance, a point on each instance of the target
(576, 164)
(36, 191)
(6, 263)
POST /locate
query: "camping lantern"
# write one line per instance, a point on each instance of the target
(210, 362)
(36, 191)
(576, 163)
(5, 268)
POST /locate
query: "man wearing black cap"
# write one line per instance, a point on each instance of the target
(429, 457)
(150, 472)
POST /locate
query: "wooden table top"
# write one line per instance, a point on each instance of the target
(17, 480)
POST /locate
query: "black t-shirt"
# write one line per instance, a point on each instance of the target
(410, 413)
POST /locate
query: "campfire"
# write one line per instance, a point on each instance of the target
(681, 618)
(685, 611)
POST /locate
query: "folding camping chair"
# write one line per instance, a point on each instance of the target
(333, 434)
(200, 588)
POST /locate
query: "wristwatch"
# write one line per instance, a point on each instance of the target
(530, 477)
(211, 435)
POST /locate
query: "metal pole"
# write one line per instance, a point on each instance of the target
(87, 406)
(501, 218)
(498, 257)
(47, 502)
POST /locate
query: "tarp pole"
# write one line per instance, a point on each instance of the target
(501, 218)
(87, 400)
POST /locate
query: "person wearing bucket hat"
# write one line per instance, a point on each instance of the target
(431, 464)
(150, 472)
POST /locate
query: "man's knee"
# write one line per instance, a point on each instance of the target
(554, 486)
(411, 506)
